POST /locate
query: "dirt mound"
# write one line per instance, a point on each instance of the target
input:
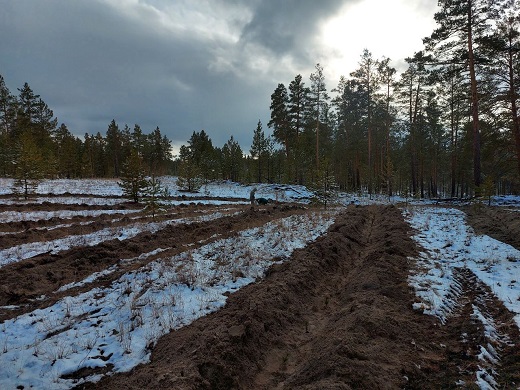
(337, 315)
(499, 223)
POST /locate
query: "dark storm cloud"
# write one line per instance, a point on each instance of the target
(284, 26)
(94, 60)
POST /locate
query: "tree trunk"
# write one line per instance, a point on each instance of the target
(317, 143)
(414, 108)
(369, 139)
(474, 102)
(259, 170)
(514, 108)
(388, 158)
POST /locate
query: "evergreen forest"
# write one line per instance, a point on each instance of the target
(445, 125)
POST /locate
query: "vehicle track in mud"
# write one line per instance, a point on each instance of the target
(481, 336)
(487, 337)
(25, 281)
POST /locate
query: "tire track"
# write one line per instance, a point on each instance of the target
(485, 333)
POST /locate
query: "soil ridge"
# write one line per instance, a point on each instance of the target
(337, 315)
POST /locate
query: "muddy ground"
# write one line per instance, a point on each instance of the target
(337, 315)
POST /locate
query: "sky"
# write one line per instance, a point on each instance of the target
(191, 65)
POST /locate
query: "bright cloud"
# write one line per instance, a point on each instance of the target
(392, 28)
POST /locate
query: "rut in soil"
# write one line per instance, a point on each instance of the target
(338, 314)
(485, 350)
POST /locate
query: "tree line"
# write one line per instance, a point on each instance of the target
(33, 146)
(445, 126)
(448, 125)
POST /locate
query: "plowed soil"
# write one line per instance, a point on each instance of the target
(496, 222)
(336, 315)
(25, 281)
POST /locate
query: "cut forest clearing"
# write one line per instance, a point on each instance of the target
(279, 296)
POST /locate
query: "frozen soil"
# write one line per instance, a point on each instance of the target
(337, 315)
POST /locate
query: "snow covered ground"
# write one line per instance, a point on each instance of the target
(452, 248)
(117, 325)
(450, 243)
(108, 192)
(70, 188)
(26, 251)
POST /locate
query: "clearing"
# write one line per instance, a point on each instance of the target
(212, 294)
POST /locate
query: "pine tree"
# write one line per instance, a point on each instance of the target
(202, 154)
(298, 107)
(190, 178)
(159, 152)
(280, 118)
(68, 152)
(412, 95)
(259, 149)
(133, 181)
(453, 99)
(325, 187)
(232, 159)
(29, 166)
(138, 140)
(113, 148)
(366, 79)
(34, 117)
(28, 105)
(461, 23)
(100, 155)
(502, 48)
(318, 99)
(153, 194)
(45, 123)
(386, 75)
(8, 109)
(349, 135)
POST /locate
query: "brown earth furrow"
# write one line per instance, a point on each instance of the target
(496, 222)
(48, 230)
(29, 279)
(337, 315)
(29, 206)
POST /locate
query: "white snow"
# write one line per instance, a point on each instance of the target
(109, 188)
(117, 325)
(450, 243)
